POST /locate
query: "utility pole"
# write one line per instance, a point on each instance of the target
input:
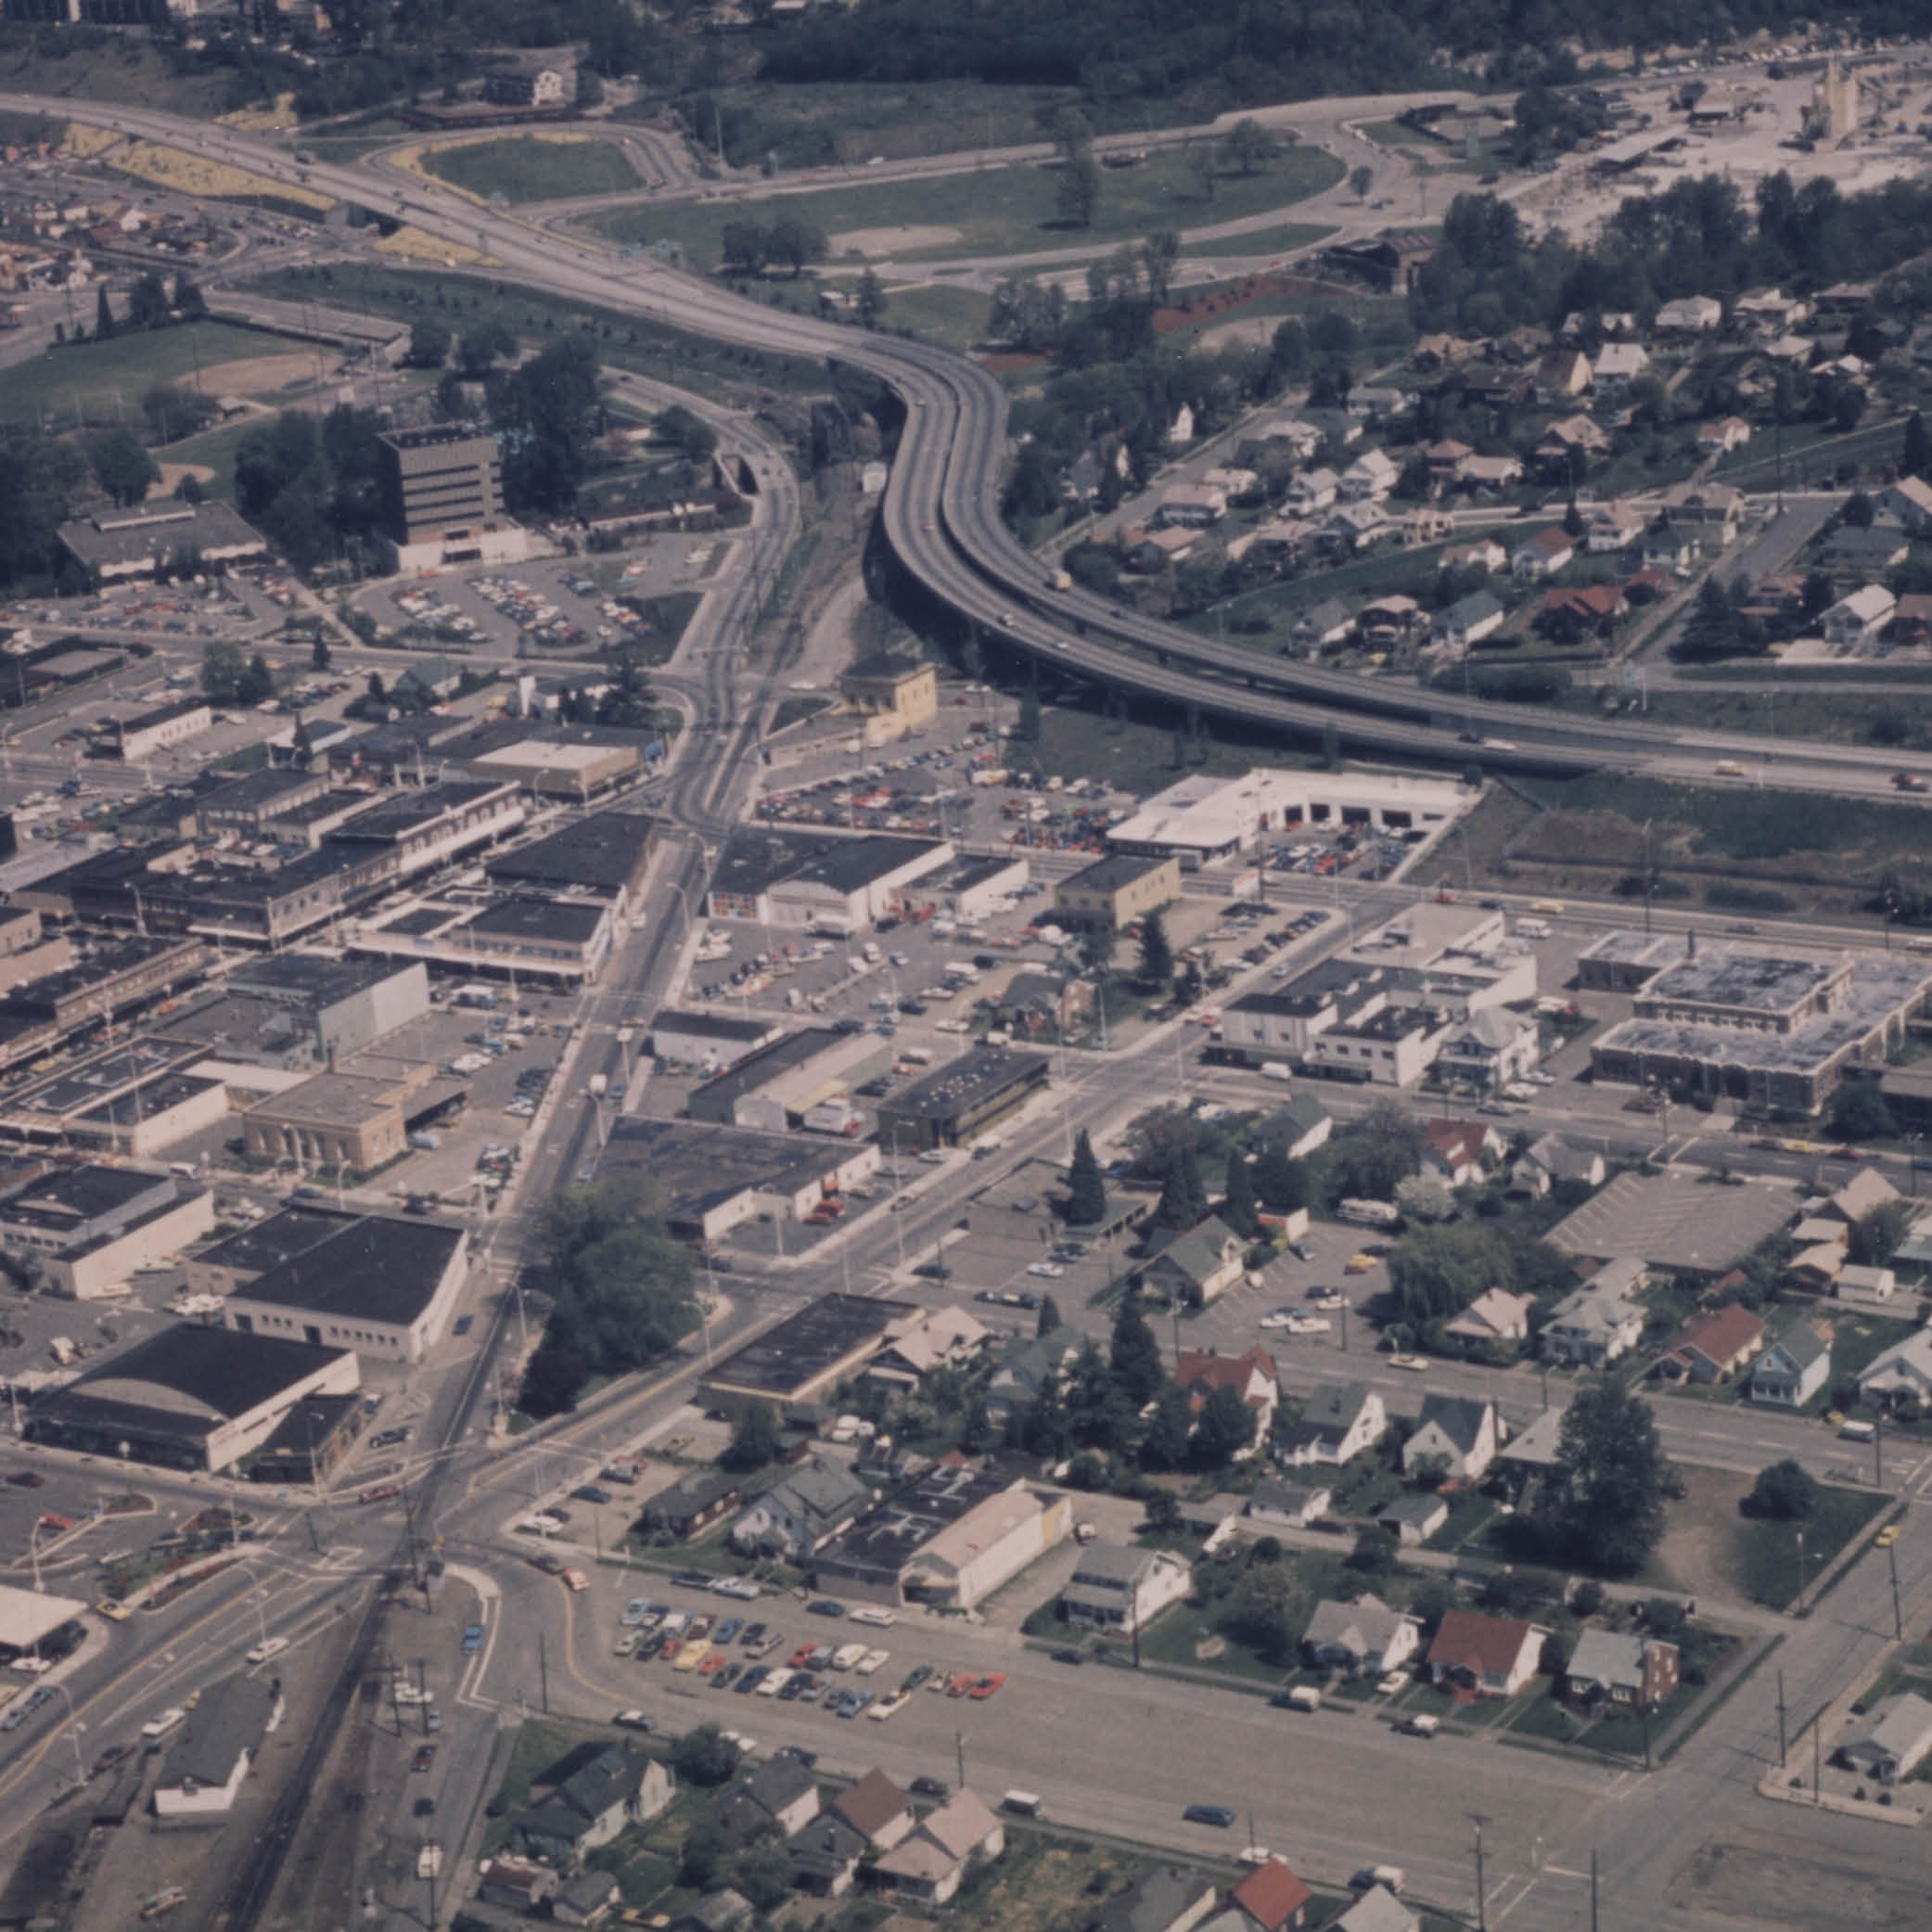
(1783, 1753)
(1592, 1890)
(1892, 1553)
(1799, 1608)
(959, 1756)
(543, 1672)
(422, 1696)
(1817, 1763)
(1482, 1918)
(1879, 1452)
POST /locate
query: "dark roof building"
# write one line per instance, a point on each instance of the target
(805, 1354)
(958, 1101)
(605, 856)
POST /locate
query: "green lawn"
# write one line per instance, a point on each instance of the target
(103, 382)
(1764, 1557)
(954, 316)
(1856, 1340)
(998, 211)
(528, 168)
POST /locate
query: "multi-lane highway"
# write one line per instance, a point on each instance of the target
(942, 512)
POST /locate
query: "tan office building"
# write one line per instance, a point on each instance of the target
(894, 694)
(1114, 891)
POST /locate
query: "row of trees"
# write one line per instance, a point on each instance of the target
(750, 247)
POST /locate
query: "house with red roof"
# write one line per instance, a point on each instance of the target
(1715, 1346)
(1544, 555)
(1454, 1149)
(1271, 1899)
(1251, 1376)
(1492, 1656)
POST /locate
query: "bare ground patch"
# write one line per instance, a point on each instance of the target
(256, 374)
(1700, 1533)
(890, 241)
(1759, 1880)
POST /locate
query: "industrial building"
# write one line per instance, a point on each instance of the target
(717, 1177)
(602, 856)
(1202, 820)
(441, 490)
(950, 1541)
(207, 1757)
(358, 1122)
(383, 1286)
(805, 1356)
(115, 546)
(239, 1259)
(188, 1397)
(1771, 1030)
(92, 1226)
(577, 763)
(710, 1041)
(1116, 890)
(773, 1088)
(560, 942)
(971, 888)
(892, 692)
(830, 882)
(958, 1101)
(133, 739)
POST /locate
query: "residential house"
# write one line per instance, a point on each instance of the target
(1491, 475)
(1424, 524)
(1489, 1049)
(1715, 1346)
(1339, 1422)
(1312, 490)
(1600, 1320)
(1769, 311)
(1165, 1900)
(1467, 621)
(1378, 1909)
(1459, 1432)
(1719, 438)
(1793, 1368)
(1453, 1150)
(1362, 1639)
(1445, 460)
(1495, 1315)
(802, 1510)
(1033, 1001)
(1571, 612)
(1912, 620)
(1355, 526)
(1909, 502)
(690, 1505)
(1031, 1369)
(916, 1345)
(1549, 1158)
(1710, 507)
(432, 681)
(1192, 506)
(1564, 373)
(515, 1884)
(586, 1900)
(781, 1795)
(722, 1911)
(1866, 1189)
(1569, 441)
(1152, 551)
(1412, 1519)
(826, 1853)
(1300, 1123)
(1856, 620)
(1294, 1504)
(1542, 556)
(596, 1797)
(1235, 484)
(1271, 1899)
(1485, 554)
(927, 1864)
(1863, 554)
(1195, 1268)
(1859, 1283)
(1390, 620)
(1121, 1589)
(1612, 526)
(1620, 364)
(1250, 1375)
(1670, 546)
(1493, 1656)
(1900, 1374)
(1182, 429)
(876, 1808)
(1328, 623)
(1301, 439)
(1369, 478)
(1380, 402)
(1619, 1670)
(1690, 315)
(1891, 1741)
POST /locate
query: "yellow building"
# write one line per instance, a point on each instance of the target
(1114, 891)
(892, 692)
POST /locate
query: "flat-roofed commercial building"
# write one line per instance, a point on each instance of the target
(892, 692)
(345, 1006)
(710, 1041)
(971, 888)
(835, 883)
(807, 1355)
(109, 982)
(118, 544)
(344, 1120)
(561, 941)
(257, 799)
(1116, 890)
(957, 1102)
(383, 1286)
(773, 1088)
(602, 856)
(93, 1226)
(251, 1252)
(189, 1397)
(441, 490)
(160, 730)
(578, 765)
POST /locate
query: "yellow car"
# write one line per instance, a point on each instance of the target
(1833, 1417)
(113, 1612)
(1886, 1537)
(692, 1653)
(1358, 1264)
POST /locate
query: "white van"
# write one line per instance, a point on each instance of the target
(1023, 1804)
(1304, 1696)
(1533, 928)
(1276, 1070)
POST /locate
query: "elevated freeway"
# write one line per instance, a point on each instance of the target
(941, 516)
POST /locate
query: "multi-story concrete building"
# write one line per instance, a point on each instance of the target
(441, 494)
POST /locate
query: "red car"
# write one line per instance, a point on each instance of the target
(982, 1691)
(27, 1479)
(380, 1493)
(50, 1521)
(962, 1684)
(713, 1664)
(425, 1757)
(801, 1657)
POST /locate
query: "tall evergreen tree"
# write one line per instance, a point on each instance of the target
(1156, 961)
(1183, 1200)
(1133, 1354)
(103, 314)
(1086, 1187)
(1918, 446)
(1165, 1443)
(1050, 1317)
(1237, 1208)
(1281, 1183)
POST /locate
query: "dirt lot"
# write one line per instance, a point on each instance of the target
(1695, 1554)
(1759, 1880)
(890, 241)
(254, 375)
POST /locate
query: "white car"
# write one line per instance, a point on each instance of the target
(1047, 1271)
(872, 1661)
(263, 1652)
(885, 1707)
(950, 1026)
(1327, 1298)
(1296, 1323)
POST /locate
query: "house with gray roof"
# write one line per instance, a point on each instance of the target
(1793, 1368)
(1300, 1123)
(1460, 1430)
(1378, 1909)
(1122, 1588)
(1029, 1369)
(802, 1512)
(1891, 1741)
(1338, 1422)
(1549, 1158)
(1195, 1268)
(211, 1755)
(1296, 1504)
(1601, 1320)
(1620, 1669)
(1165, 1900)
(593, 1801)
(1364, 1638)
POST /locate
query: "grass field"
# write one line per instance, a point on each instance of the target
(101, 382)
(118, 67)
(991, 212)
(622, 341)
(955, 316)
(531, 167)
(1764, 1557)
